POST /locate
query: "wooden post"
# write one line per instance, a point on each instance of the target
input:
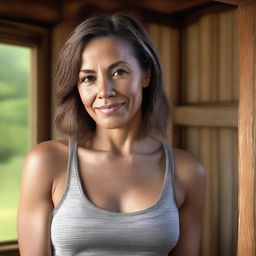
(247, 132)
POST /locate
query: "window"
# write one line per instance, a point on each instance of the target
(14, 131)
(28, 107)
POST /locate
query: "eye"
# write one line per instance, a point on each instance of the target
(87, 79)
(119, 72)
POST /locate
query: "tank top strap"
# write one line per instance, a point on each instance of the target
(170, 172)
(72, 165)
(71, 187)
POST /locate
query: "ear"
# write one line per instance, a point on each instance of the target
(146, 79)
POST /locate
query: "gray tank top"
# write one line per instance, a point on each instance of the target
(81, 228)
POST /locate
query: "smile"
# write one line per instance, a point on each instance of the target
(109, 109)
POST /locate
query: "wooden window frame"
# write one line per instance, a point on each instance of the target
(38, 40)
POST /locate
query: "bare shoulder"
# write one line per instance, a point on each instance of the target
(46, 158)
(189, 173)
(187, 164)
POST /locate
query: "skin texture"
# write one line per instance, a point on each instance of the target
(134, 170)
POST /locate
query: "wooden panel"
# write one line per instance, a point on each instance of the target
(208, 156)
(9, 248)
(227, 170)
(208, 38)
(207, 90)
(37, 11)
(206, 116)
(236, 2)
(190, 64)
(220, 162)
(247, 132)
(210, 57)
(71, 8)
(209, 99)
(226, 56)
(190, 79)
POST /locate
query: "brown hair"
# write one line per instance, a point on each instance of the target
(71, 117)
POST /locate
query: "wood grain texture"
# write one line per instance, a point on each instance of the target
(37, 11)
(225, 67)
(227, 197)
(218, 116)
(191, 67)
(208, 57)
(52, 12)
(236, 2)
(208, 156)
(209, 117)
(247, 132)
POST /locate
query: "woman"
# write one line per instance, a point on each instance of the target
(113, 187)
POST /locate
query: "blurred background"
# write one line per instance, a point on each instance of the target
(197, 41)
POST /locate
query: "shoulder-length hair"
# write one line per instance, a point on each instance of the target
(71, 117)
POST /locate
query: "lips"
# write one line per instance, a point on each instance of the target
(109, 109)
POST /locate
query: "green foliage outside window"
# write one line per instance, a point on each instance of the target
(14, 81)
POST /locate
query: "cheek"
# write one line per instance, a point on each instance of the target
(131, 87)
(87, 96)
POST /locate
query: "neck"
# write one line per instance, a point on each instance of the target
(124, 144)
(123, 141)
(119, 140)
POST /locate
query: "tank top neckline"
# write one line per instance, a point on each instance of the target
(73, 146)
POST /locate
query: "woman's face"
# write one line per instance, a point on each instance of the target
(111, 82)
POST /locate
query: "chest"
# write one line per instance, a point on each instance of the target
(134, 221)
(122, 185)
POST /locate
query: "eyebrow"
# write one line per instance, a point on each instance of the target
(109, 68)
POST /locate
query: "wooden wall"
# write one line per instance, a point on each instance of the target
(200, 64)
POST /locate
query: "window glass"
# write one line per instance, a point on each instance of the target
(14, 131)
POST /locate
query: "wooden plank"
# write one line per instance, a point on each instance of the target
(39, 11)
(235, 192)
(247, 132)
(170, 6)
(226, 202)
(208, 57)
(165, 52)
(191, 68)
(225, 85)
(160, 6)
(235, 56)
(219, 116)
(208, 156)
(9, 248)
(175, 65)
(236, 2)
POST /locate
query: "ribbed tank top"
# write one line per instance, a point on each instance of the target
(81, 228)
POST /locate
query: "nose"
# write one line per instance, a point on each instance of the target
(105, 88)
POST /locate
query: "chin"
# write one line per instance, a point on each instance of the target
(113, 124)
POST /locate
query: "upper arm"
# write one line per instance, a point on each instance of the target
(35, 207)
(192, 179)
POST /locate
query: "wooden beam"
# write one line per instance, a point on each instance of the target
(170, 6)
(236, 2)
(9, 248)
(30, 11)
(217, 116)
(247, 132)
(71, 8)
